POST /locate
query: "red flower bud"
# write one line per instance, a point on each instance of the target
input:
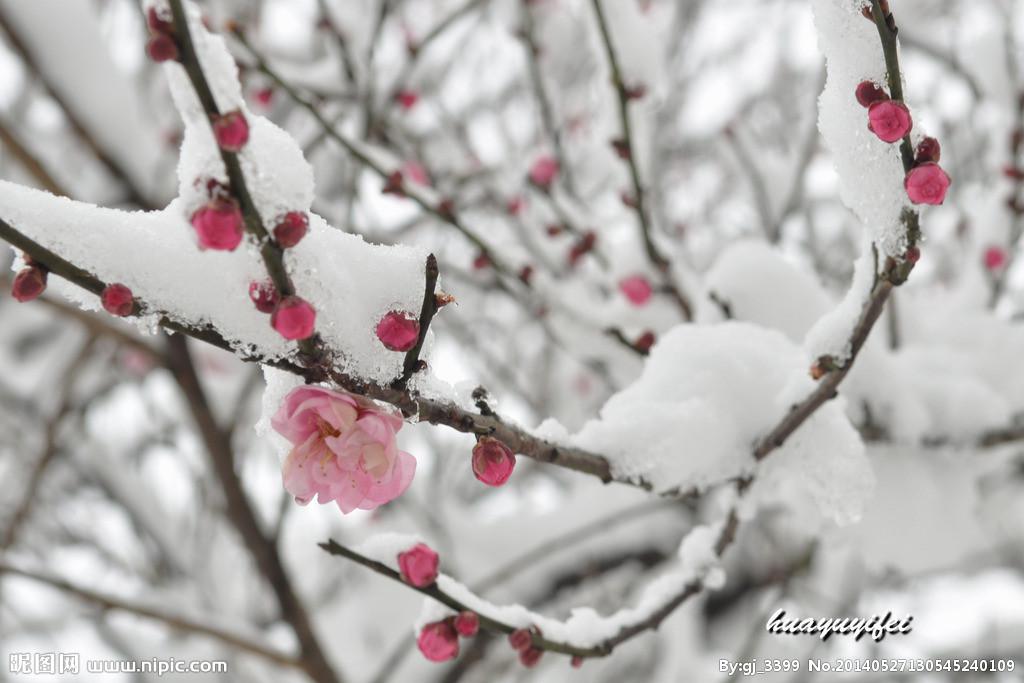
(520, 639)
(394, 184)
(467, 623)
(438, 641)
(29, 283)
(117, 300)
(913, 255)
(290, 230)
(481, 261)
(218, 225)
(644, 342)
(264, 296)
(577, 661)
(995, 259)
(418, 565)
(637, 289)
(158, 23)
(927, 150)
(398, 331)
(407, 99)
(530, 656)
(293, 318)
(231, 131)
(162, 48)
(868, 92)
(492, 461)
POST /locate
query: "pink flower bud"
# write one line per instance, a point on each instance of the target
(264, 96)
(438, 641)
(218, 225)
(543, 172)
(927, 150)
(514, 206)
(117, 300)
(414, 171)
(290, 230)
(526, 274)
(162, 48)
(29, 283)
(264, 296)
(492, 461)
(889, 120)
(637, 289)
(231, 131)
(467, 623)
(418, 565)
(995, 258)
(530, 656)
(398, 331)
(481, 261)
(407, 99)
(927, 184)
(913, 255)
(293, 318)
(577, 661)
(868, 93)
(520, 639)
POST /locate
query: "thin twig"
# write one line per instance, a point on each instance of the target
(654, 255)
(429, 308)
(270, 251)
(174, 621)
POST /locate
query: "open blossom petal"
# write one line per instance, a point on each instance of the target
(344, 450)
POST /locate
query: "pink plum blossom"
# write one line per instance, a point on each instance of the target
(344, 450)
(889, 120)
(927, 184)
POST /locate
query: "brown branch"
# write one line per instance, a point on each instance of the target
(174, 621)
(654, 254)
(547, 115)
(50, 450)
(427, 311)
(270, 251)
(30, 163)
(438, 212)
(243, 517)
(135, 194)
(602, 649)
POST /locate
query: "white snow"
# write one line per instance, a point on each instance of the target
(350, 283)
(870, 171)
(706, 394)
